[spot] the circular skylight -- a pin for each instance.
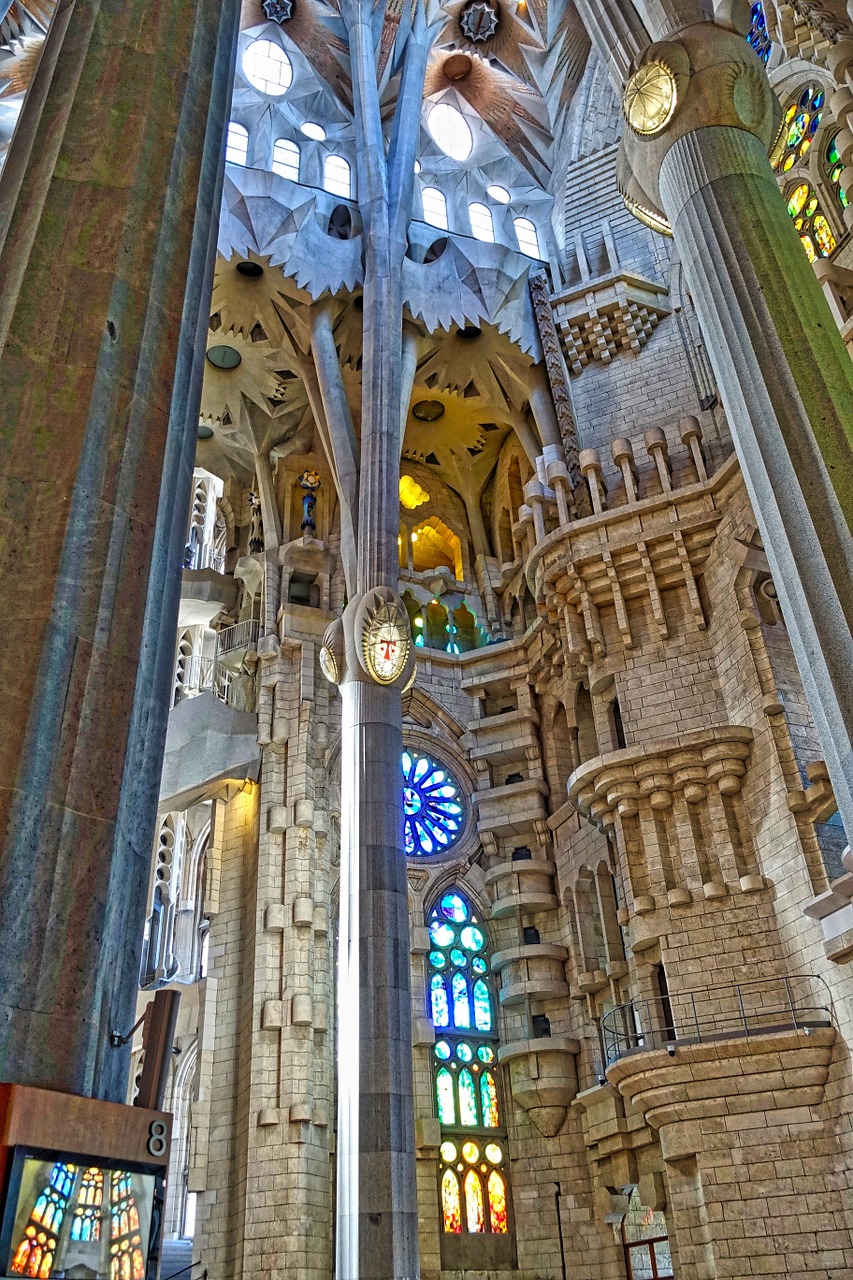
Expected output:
(267, 67)
(498, 193)
(450, 131)
(313, 131)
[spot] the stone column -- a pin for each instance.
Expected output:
(105, 258)
(377, 1195)
(785, 378)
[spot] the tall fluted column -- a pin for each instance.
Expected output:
(105, 257)
(785, 378)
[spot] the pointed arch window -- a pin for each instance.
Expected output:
(472, 1174)
(527, 237)
(482, 227)
(285, 158)
(435, 207)
(237, 145)
(337, 176)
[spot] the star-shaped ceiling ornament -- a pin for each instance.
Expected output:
(278, 10)
(479, 20)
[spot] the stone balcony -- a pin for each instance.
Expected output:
(722, 1051)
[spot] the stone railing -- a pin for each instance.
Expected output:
(204, 556)
(717, 1013)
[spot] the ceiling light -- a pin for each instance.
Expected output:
(224, 357)
(428, 410)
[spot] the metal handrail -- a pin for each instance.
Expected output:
(722, 1012)
(243, 635)
(197, 675)
(204, 555)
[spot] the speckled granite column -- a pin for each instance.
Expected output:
(377, 1191)
(786, 382)
(106, 256)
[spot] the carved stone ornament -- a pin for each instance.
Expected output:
(650, 98)
(277, 10)
(479, 21)
(383, 636)
(332, 652)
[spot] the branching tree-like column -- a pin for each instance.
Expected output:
(370, 653)
(702, 119)
(107, 209)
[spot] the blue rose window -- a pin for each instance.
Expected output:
(433, 815)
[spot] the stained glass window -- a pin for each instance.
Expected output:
(473, 1189)
(476, 1218)
(126, 1261)
(834, 170)
(816, 235)
(433, 817)
(800, 124)
(86, 1223)
(758, 36)
(450, 1204)
(34, 1254)
(497, 1200)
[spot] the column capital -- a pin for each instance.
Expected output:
(704, 77)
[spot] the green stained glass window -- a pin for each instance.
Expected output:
(467, 1098)
(438, 996)
(482, 1006)
(834, 170)
(444, 1096)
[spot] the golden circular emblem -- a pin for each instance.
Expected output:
(650, 98)
(386, 642)
(329, 664)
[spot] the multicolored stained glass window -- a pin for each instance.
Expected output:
(473, 1190)
(758, 36)
(126, 1260)
(34, 1254)
(816, 235)
(433, 815)
(834, 170)
(86, 1223)
(800, 124)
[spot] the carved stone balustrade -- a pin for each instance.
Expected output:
(543, 1078)
(534, 971)
(636, 551)
(522, 885)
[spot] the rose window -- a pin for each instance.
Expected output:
(433, 814)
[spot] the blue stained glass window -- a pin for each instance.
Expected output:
(459, 958)
(464, 1052)
(461, 1003)
(440, 1010)
(437, 959)
(441, 934)
(442, 1050)
(454, 908)
(433, 816)
(758, 36)
(482, 1006)
(471, 938)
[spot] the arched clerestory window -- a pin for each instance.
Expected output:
(472, 1175)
